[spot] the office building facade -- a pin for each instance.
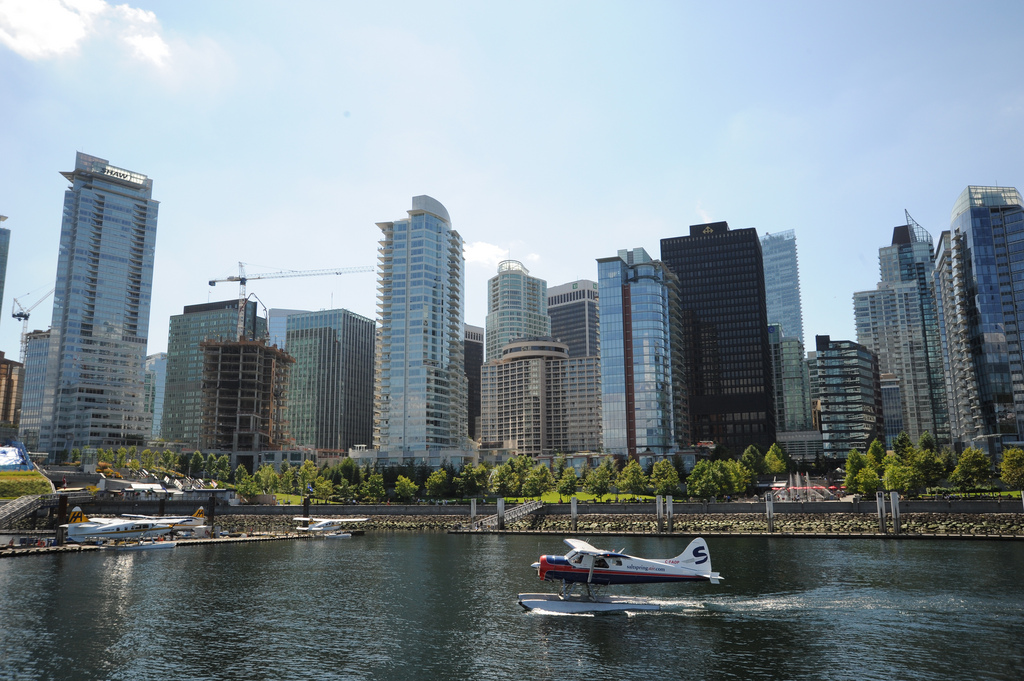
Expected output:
(642, 400)
(330, 386)
(791, 381)
(899, 322)
(5, 249)
(782, 283)
(981, 310)
(94, 393)
(575, 317)
(728, 366)
(155, 381)
(850, 391)
(517, 307)
(420, 401)
(277, 326)
(473, 352)
(183, 389)
(37, 349)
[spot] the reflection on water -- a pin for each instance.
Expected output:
(434, 606)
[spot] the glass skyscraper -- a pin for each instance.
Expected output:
(725, 335)
(979, 282)
(473, 354)
(94, 391)
(791, 382)
(899, 322)
(156, 380)
(517, 307)
(420, 381)
(5, 249)
(850, 390)
(782, 283)
(642, 406)
(330, 386)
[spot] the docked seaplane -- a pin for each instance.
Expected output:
(588, 567)
(329, 528)
(182, 522)
(81, 529)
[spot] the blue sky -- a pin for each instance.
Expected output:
(278, 134)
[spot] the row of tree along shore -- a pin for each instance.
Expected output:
(994, 524)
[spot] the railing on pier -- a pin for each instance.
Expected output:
(15, 510)
(520, 511)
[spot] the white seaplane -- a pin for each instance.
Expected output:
(81, 529)
(329, 527)
(182, 522)
(590, 567)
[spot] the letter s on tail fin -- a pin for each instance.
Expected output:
(696, 556)
(77, 516)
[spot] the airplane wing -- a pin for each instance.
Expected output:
(583, 547)
(330, 520)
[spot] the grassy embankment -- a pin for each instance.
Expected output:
(14, 484)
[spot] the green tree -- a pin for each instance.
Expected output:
(308, 474)
(774, 461)
(737, 476)
(753, 460)
(927, 466)
(973, 469)
(599, 480)
(373, 487)
(901, 478)
(121, 459)
(567, 483)
(266, 478)
(472, 480)
(224, 467)
(720, 453)
(210, 466)
(664, 478)
(437, 484)
(504, 481)
(558, 466)
(866, 482)
(631, 479)
(521, 465)
(134, 465)
(405, 489)
(322, 488)
(707, 480)
(195, 464)
(926, 442)
(855, 463)
(342, 488)
(147, 458)
(76, 455)
(875, 455)
(1012, 468)
(901, 445)
(538, 481)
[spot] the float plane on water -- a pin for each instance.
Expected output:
(197, 519)
(325, 525)
(80, 528)
(590, 566)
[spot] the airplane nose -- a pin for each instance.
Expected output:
(536, 566)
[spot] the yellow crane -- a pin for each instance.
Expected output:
(242, 278)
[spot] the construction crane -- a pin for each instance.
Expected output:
(242, 279)
(20, 312)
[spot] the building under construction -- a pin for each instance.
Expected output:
(245, 385)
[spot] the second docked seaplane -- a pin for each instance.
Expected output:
(588, 568)
(326, 527)
(81, 529)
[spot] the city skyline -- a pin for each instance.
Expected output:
(593, 133)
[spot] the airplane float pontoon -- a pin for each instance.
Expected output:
(588, 567)
(326, 525)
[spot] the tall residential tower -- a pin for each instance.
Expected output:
(420, 381)
(782, 283)
(94, 392)
(517, 307)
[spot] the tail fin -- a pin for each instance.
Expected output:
(696, 557)
(199, 513)
(77, 516)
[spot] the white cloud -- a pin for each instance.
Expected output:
(704, 215)
(483, 253)
(42, 29)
